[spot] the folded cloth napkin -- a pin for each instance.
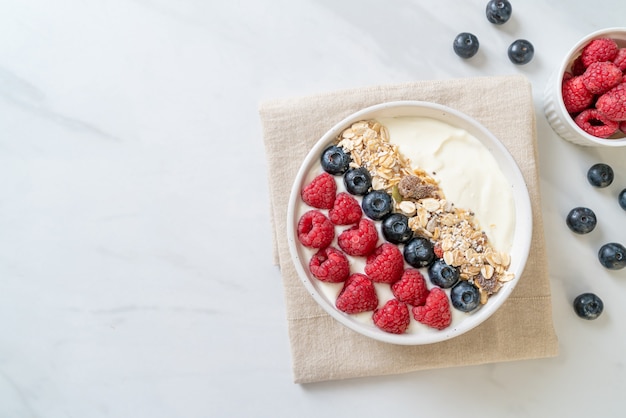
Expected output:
(322, 348)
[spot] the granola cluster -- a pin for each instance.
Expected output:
(455, 231)
(369, 146)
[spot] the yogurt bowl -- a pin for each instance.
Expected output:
(554, 108)
(454, 149)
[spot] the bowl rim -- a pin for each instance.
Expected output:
(523, 218)
(569, 57)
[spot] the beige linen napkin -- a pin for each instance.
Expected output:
(322, 348)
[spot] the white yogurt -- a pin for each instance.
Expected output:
(466, 171)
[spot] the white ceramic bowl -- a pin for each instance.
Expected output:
(521, 240)
(554, 109)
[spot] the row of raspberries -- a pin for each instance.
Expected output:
(594, 90)
(384, 263)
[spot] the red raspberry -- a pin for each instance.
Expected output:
(620, 59)
(385, 264)
(315, 230)
(393, 317)
(578, 68)
(436, 312)
(320, 193)
(330, 265)
(357, 295)
(411, 288)
(598, 50)
(346, 210)
(360, 240)
(613, 103)
(438, 250)
(566, 76)
(595, 123)
(622, 126)
(576, 97)
(601, 77)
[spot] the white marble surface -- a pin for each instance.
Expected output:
(132, 180)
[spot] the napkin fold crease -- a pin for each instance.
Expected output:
(323, 349)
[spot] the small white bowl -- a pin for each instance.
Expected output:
(554, 109)
(522, 218)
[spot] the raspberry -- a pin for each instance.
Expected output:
(576, 97)
(385, 264)
(598, 50)
(578, 68)
(346, 210)
(411, 288)
(601, 77)
(595, 123)
(315, 230)
(566, 76)
(438, 250)
(613, 103)
(357, 295)
(622, 126)
(393, 317)
(436, 312)
(360, 240)
(330, 265)
(620, 59)
(320, 193)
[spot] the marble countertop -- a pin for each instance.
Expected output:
(133, 181)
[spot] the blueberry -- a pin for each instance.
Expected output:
(396, 229)
(465, 45)
(335, 160)
(612, 256)
(419, 252)
(357, 181)
(376, 204)
(498, 11)
(600, 175)
(521, 52)
(622, 199)
(442, 274)
(581, 220)
(465, 296)
(588, 306)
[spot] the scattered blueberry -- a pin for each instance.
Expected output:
(465, 45)
(588, 306)
(335, 160)
(498, 11)
(442, 274)
(521, 52)
(419, 252)
(600, 175)
(581, 220)
(622, 199)
(357, 181)
(396, 228)
(465, 296)
(376, 204)
(612, 256)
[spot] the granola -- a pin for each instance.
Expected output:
(416, 194)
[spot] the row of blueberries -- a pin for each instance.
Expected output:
(582, 220)
(418, 251)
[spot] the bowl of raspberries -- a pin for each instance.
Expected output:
(585, 99)
(386, 246)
